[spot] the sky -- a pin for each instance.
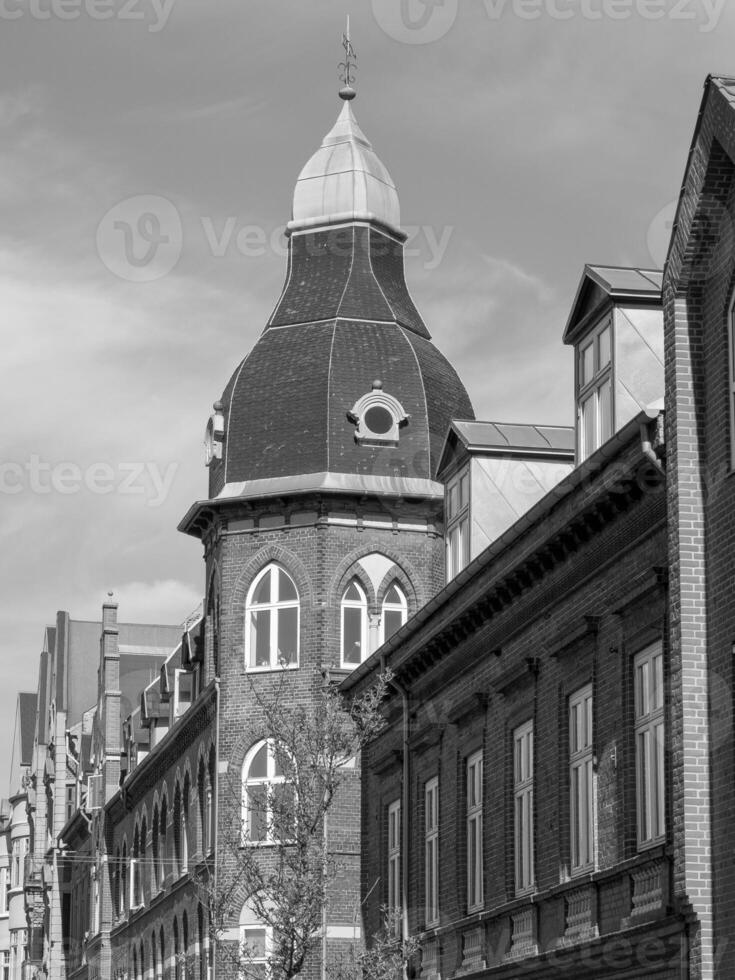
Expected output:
(148, 154)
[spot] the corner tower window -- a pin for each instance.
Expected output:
(272, 621)
(594, 390)
(377, 417)
(457, 505)
(354, 625)
(394, 612)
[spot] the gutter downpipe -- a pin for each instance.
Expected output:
(215, 817)
(405, 785)
(647, 446)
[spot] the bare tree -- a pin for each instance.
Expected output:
(308, 748)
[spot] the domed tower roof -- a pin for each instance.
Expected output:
(344, 390)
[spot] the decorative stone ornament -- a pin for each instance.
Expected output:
(377, 417)
(214, 435)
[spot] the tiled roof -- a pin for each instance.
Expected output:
(600, 283)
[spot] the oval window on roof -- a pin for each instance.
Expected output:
(379, 420)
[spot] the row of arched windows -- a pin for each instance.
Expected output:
(174, 954)
(272, 611)
(174, 833)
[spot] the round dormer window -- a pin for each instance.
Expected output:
(377, 417)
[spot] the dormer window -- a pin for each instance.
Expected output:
(377, 417)
(594, 389)
(457, 507)
(214, 435)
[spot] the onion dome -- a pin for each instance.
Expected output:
(345, 181)
(344, 391)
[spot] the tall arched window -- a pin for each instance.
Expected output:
(163, 842)
(185, 826)
(272, 621)
(394, 612)
(156, 877)
(354, 625)
(256, 944)
(267, 799)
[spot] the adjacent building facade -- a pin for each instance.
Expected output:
(552, 788)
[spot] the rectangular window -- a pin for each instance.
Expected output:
(3, 891)
(6, 964)
(431, 851)
(474, 832)
(395, 903)
(649, 744)
(457, 541)
(71, 800)
(594, 390)
(581, 782)
(183, 691)
(523, 806)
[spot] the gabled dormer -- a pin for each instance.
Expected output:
(616, 329)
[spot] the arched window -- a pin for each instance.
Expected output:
(156, 877)
(272, 621)
(163, 842)
(354, 625)
(177, 951)
(185, 826)
(202, 945)
(125, 894)
(256, 944)
(267, 799)
(184, 945)
(394, 612)
(177, 820)
(162, 944)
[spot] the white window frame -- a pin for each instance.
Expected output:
(395, 898)
(270, 780)
(475, 864)
(457, 523)
(523, 828)
(249, 922)
(582, 782)
(589, 389)
(178, 710)
(275, 606)
(362, 605)
(650, 764)
(399, 607)
(431, 852)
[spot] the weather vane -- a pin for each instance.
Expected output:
(347, 67)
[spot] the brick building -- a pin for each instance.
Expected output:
(554, 789)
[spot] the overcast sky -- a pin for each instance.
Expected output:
(526, 138)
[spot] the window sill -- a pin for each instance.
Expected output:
(270, 670)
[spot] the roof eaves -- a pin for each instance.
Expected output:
(609, 451)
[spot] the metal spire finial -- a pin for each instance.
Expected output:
(347, 68)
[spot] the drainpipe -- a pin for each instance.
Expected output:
(216, 813)
(405, 786)
(647, 446)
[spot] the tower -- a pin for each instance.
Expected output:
(322, 531)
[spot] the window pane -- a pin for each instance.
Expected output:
(255, 941)
(392, 620)
(393, 596)
(286, 588)
(605, 402)
(464, 490)
(352, 635)
(257, 813)
(262, 591)
(452, 501)
(353, 594)
(604, 348)
(260, 638)
(288, 622)
(259, 766)
(283, 811)
(589, 425)
(586, 365)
